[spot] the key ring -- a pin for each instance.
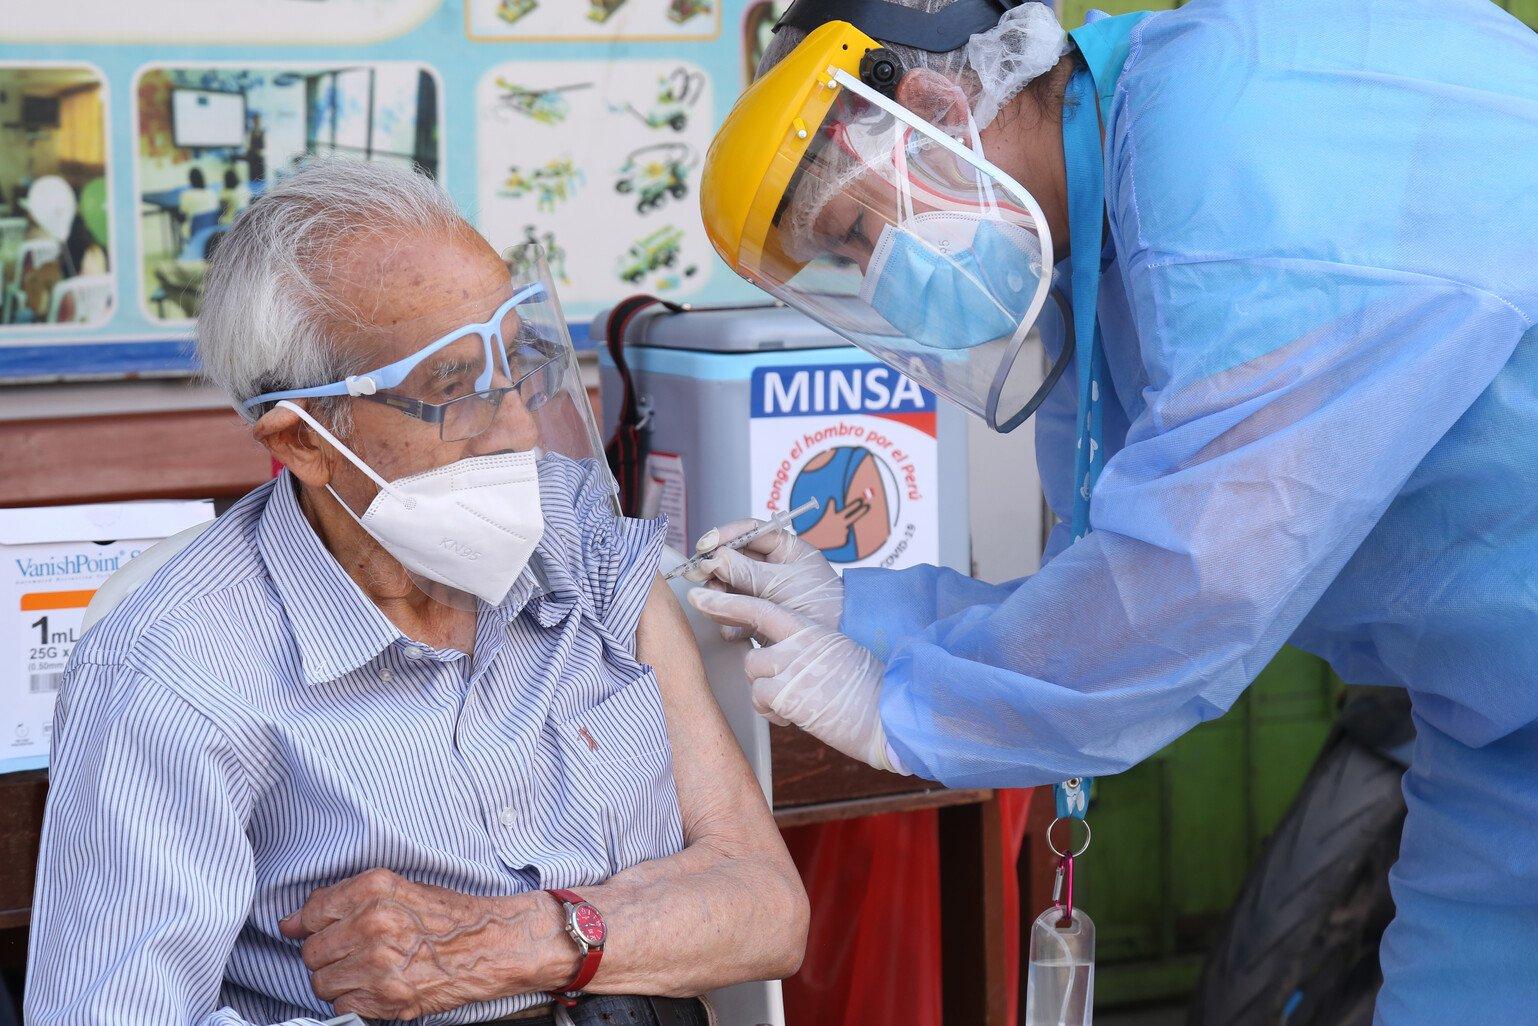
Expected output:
(1088, 833)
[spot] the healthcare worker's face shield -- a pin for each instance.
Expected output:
(894, 233)
(468, 434)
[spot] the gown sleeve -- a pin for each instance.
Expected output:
(1288, 402)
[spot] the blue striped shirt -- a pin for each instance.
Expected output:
(249, 726)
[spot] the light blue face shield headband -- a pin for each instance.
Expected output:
(373, 385)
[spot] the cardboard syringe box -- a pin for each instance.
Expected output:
(55, 557)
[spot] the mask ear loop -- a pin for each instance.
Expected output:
(900, 169)
(991, 200)
(336, 444)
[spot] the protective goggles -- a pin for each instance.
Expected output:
(825, 191)
(460, 379)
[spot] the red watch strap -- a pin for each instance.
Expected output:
(591, 957)
(586, 971)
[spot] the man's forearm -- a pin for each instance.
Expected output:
(683, 925)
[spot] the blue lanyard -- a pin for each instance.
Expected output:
(1085, 167)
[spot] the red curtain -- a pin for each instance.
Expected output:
(873, 955)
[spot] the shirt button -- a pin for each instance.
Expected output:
(387, 675)
(508, 816)
(413, 653)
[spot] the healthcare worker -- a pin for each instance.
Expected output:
(1266, 271)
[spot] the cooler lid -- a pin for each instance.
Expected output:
(758, 328)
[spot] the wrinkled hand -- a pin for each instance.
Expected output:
(775, 573)
(384, 947)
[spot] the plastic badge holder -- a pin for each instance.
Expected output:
(1060, 985)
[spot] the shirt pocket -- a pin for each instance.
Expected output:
(618, 756)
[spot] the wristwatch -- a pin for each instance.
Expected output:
(585, 925)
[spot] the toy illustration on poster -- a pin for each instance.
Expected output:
(520, 257)
(592, 19)
(553, 182)
(55, 234)
(656, 251)
(537, 177)
(161, 146)
(211, 139)
(677, 93)
(655, 173)
(330, 22)
(546, 106)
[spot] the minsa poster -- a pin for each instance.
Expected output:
(860, 439)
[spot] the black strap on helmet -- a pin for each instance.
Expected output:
(940, 32)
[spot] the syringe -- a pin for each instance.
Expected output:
(777, 522)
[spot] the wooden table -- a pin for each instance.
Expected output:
(207, 453)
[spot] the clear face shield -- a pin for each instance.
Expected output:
(471, 433)
(895, 234)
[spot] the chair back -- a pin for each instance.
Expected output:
(92, 294)
(32, 253)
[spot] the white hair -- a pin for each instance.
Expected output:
(267, 318)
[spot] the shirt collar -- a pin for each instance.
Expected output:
(546, 587)
(336, 626)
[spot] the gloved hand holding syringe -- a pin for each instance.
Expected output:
(780, 521)
(764, 582)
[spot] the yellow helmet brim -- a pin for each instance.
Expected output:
(752, 163)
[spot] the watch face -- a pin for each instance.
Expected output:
(588, 924)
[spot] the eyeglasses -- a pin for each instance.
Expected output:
(470, 415)
(377, 384)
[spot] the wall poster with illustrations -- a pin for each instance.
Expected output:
(577, 124)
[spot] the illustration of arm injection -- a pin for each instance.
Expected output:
(780, 521)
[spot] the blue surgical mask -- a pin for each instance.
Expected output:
(953, 280)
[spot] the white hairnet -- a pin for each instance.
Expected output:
(1026, 44)
(991, 68)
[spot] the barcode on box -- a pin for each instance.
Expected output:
(42, 682)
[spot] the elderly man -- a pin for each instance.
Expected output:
(414, 730)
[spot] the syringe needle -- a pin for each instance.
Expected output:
(779, 521)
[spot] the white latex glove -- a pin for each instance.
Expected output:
(774, 569)
(809, 674)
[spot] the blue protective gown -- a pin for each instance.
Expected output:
(1320, 328)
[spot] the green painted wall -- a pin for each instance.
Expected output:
(1175, 835)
